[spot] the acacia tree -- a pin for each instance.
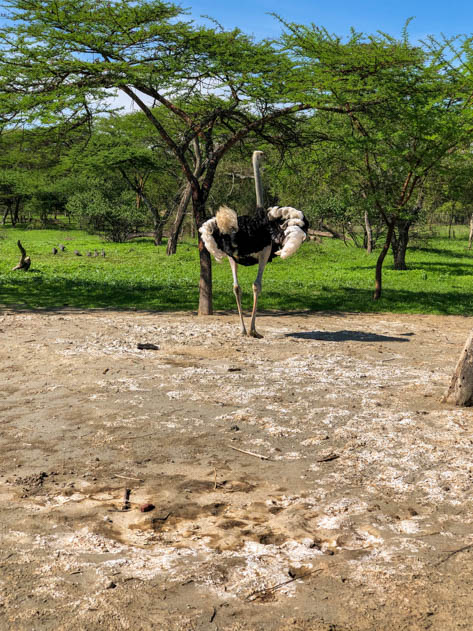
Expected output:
(335, 191)
(124, 147)
(59, 58)
(406, 107)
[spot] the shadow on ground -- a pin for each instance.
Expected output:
(346, 336)
(40, 291)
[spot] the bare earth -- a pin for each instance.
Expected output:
(360, 517)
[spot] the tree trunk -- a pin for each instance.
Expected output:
(470, 238)
(139, 188)
(158, 220)
(379, 262)
(199, 209)
(158, 233)
(399, 244)
(177, 226)
(5, 214)
(15, 213)
(205, 282)
(461, 386)
(369, 234)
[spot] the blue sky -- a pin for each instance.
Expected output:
(432, 17)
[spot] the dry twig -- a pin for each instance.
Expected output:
(127, 477)
(453, 553)
(141, 436)
(267, 590)
(250, 453)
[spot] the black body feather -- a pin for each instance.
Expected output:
(253, 235)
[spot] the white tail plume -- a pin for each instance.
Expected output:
(292, 222)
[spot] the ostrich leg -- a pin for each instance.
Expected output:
(237, 292)
(263, 259)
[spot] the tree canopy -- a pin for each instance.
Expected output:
(61, 60)
(376, 115)
(404, 108)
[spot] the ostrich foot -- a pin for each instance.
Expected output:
(254, 333)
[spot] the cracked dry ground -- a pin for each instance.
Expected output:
(359, 517)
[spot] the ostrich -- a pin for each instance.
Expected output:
(251, 240)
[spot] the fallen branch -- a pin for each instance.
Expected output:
(320, 233)
(25, 261)
(250, 453)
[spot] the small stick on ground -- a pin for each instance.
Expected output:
(8, 557)
(214, 613)
(453, 553)
(163, 519)
(327, 458)
(141, 436)
(250, 453)
(127, 477)
(267, 590)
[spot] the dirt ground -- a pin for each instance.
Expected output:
(127, 500)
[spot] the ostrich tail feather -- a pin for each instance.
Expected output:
(294, 237)
(293, 223)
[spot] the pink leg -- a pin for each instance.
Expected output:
(263, 259)
(237, 292)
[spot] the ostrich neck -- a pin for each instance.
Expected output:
(258, 182)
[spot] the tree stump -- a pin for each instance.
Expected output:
(25, 261)
(461, 386)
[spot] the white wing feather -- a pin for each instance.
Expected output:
(206, 230)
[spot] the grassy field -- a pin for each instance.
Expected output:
(138, 275)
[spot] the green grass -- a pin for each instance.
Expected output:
(137, 275)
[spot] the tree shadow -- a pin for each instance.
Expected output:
(441, 267)
(35, 291)
(466, 254)
(39, 291)
(358, 300)
(346, 336)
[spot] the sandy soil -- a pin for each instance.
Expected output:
(360, 517)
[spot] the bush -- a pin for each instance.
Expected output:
(113, 215)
